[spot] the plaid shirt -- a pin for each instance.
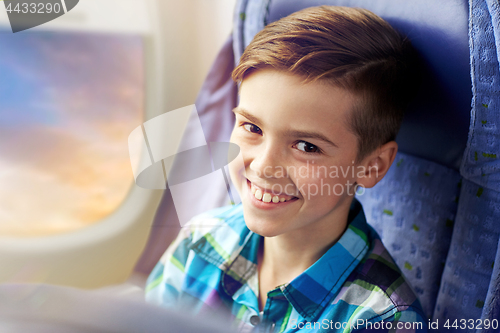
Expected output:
(354, 287)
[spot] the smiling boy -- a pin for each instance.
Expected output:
(322, 88)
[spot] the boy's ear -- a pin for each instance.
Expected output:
(374, 167)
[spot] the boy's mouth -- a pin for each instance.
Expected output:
(268, 196)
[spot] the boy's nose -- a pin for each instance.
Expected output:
(266, 162)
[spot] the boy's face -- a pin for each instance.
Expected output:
(296, 146)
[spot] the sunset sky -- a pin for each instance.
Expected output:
(68, 102)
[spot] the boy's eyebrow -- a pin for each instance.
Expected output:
(288, 132)
(247, 115)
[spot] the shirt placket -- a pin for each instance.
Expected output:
(275, 312)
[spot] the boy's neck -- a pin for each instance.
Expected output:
(282, 258)
(288, 257)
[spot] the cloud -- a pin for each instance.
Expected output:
(63, 137)
(53, 183)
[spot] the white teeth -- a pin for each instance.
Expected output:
(265, 196)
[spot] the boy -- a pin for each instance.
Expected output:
(322, 93)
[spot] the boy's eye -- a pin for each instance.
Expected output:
(307, 147)
(252, 128)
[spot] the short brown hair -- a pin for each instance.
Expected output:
(352, 48)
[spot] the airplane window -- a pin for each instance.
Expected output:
(68, 103)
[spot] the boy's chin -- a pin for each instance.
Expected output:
(262, 230)
(263, 227)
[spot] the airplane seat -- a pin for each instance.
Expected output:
(437, 210)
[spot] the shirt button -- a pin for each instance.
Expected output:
(273, 325)
(254, 320)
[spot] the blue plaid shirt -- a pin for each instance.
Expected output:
(354, 287)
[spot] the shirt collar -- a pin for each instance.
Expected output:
(231, 246)
(311, 291)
